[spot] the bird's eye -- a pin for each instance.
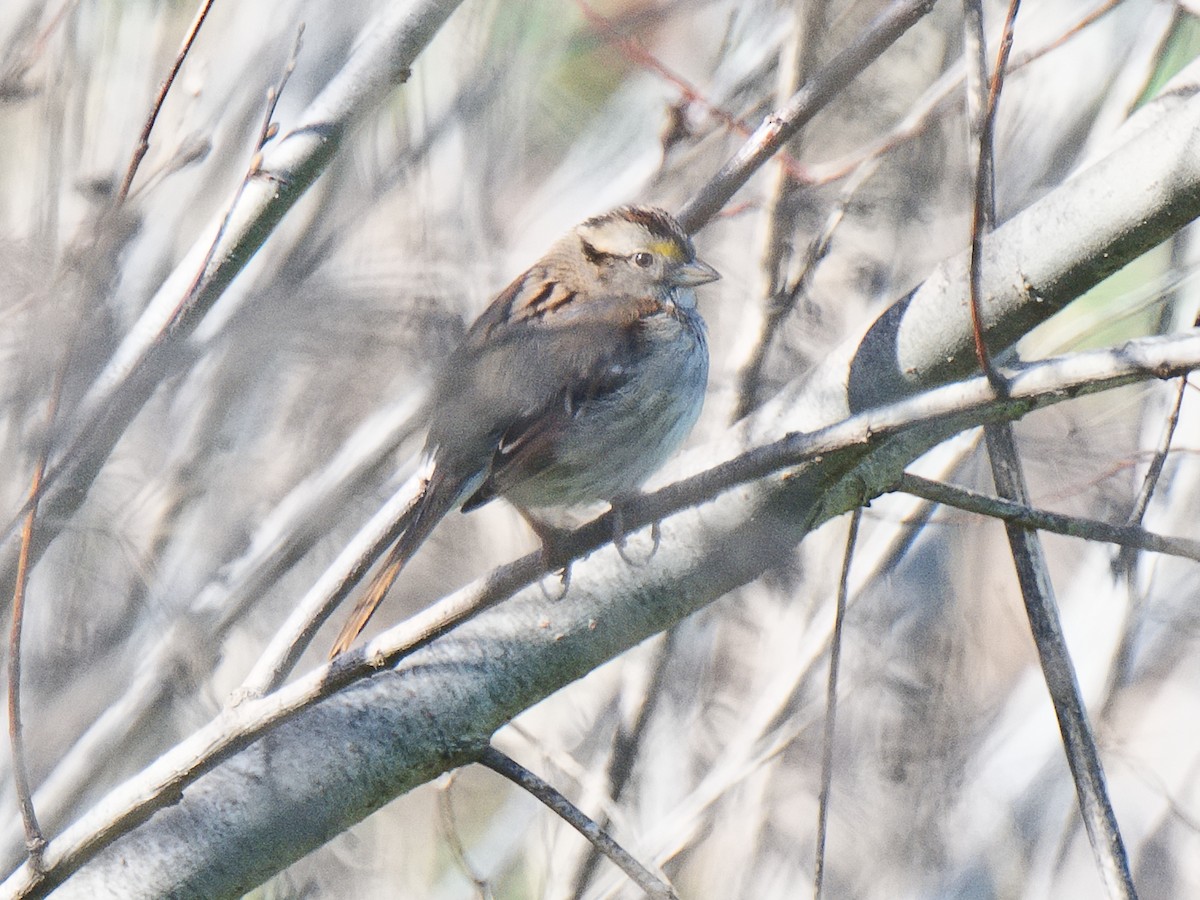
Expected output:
(643, 259)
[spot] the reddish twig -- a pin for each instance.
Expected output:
(936, 101)
(690, 93)
(143, 144)
(984, 208)
(778, 127)
(35, 841)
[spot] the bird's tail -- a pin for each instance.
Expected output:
(437, 497)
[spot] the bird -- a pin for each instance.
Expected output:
(574, 385)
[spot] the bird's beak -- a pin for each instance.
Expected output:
(694, 273)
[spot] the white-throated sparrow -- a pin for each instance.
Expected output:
(573, 386)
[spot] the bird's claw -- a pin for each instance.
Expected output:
(619, 535)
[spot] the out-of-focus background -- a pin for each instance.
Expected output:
(702, 747)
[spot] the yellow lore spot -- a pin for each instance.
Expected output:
(667, 249)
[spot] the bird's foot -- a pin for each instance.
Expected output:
(619, 533)
(555, 552)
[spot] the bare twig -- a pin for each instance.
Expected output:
(143, 144)
(1154, 470)
(827, 737)
(983, 210)
(1079, 743)
(1127, 536)
(573, 816)
(35, 841)
(625, 749)
(266, 132)
(778, 299)
(483, 890)
(1032, 573)
(1126, 563)
(781, 125)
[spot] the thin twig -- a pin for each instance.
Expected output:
(143, 144)
(1126, 563)
(266, 132)
(778, 297)
(1154, 471)
(573, 816)
(778, 127)
(1079, 742)
(835, 658)
(625, 749)
(1037, 590)
(983, 210)
(35, 841)
(1129, 536)
(450, 832)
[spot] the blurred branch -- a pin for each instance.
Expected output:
(19, 60)
(779, 127)
(283, 535)
(938, 98)
(288, 168)
(795, 64)
(626, 744)
(483, 890)
(436, 710)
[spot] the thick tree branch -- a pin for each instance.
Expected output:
(399, 717)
